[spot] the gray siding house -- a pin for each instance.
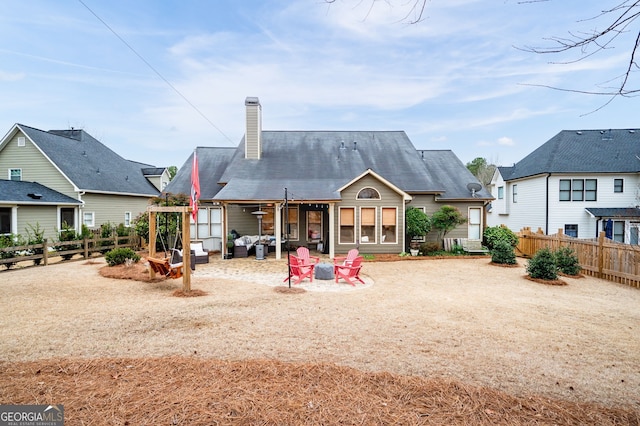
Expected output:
(344, 189)
(94, 185)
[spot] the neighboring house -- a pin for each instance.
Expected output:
(71, 163)
(345, 188)
(576, 182)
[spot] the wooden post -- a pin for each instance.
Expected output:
(186, 251)
(45, 252)
(86, 247)
(152, 240)
(601, 238)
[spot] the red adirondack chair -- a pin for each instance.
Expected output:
(299, 269)
(349, 273)
(344, 260)
(303, 253)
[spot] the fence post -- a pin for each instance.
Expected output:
(45, 252)
(86, 247)
(601, 238)
(115, 240)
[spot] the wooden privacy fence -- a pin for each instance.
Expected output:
(40, 253)
(599, 257)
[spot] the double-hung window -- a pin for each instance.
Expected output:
(578, 190)
(15, 174)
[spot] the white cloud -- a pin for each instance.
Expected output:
(505, 141)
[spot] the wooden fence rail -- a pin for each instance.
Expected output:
(599, 257)
(40, 253)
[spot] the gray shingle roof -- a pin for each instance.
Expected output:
(212, 161)
(89, 164)
(451, 174)
(18, 192)
(583, 151)
(313, 165)
(299, 160)
(614, 211)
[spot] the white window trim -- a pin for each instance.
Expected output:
(22, 141)
(127, 218)
(353, 240)
(382, 240)
(375, 225)
(93, 219)
(365, 199)
(11, 169)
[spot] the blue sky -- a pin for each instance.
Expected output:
(453, 81)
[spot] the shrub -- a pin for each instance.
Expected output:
(567, 261)
(503, 253)
(68, 234)
(35, 236)
(457, 249)
(429, 247)
(417, 223)
(118, 256)
(446, 219)
(494, 234)
(543, 265)
(9, 240)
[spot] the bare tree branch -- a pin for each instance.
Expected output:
(622, 17)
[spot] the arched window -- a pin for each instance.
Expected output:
(368, 194)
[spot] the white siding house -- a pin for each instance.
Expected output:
(577, 181)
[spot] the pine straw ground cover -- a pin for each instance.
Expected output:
(201, 389)
(192, 391)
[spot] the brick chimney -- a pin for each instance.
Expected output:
(253, 133)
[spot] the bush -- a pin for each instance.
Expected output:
(567, 261)
(429, 247)
(494, 234)
(503, 253)
(543, 265)
(9, 240)
(118, 256)
(68, 234)
(35, 236)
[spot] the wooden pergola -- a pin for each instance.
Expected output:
(186, 236)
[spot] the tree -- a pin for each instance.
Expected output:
(446, 219)
(480, 168)
(417, 223)
(172, 172)
(618, 22)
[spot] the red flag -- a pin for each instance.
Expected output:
(195, 188)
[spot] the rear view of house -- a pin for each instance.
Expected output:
(339, 189)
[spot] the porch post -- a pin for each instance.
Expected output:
(332, 230)
(278, 229)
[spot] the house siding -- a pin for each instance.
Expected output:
(111, 208)
(388, 198)
(35, 166)
(43, 216)
(530, 208)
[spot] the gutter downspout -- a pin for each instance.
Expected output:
(546, 220)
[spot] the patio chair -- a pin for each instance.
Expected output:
(344, 260)
(303, 253)
(299, 270)
(350, 273)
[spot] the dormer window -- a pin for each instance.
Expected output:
(368, 194)
(15, 174)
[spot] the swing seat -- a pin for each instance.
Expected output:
(164, 268)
